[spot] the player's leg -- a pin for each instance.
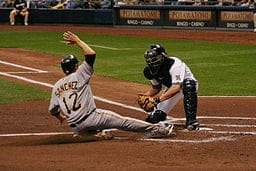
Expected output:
(12, 15)
(164, 108)
(105, 119)
(190, 103)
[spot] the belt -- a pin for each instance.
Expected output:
(81, 120)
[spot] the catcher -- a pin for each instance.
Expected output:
(20, 7)
(179, 82)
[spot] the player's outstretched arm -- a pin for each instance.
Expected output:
(72, 38)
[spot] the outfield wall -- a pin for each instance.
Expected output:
(157, 16)
(191, 17)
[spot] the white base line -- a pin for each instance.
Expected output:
(26, 79)
(103, 47)
(26, 72)
(221, 125)
(23, 67)
(71, 133)
(214, 139)
(227, 96)
(208, 140)
(110, 48)
(233, 132)
(36, 134)
(213, 117)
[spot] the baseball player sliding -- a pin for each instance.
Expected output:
(179, 82)
(72, 99)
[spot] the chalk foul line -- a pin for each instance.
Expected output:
(26, 79)
(23, 67)
(208, 140)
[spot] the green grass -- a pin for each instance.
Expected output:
(221, 68)
(14, 92)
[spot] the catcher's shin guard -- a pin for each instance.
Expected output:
(156, 117)
(190, 101)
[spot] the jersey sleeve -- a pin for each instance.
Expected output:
(84, 73)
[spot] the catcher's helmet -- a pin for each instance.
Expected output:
(154, 60)
(159, 49)
(69, 64)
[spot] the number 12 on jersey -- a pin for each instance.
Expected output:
(75, 106)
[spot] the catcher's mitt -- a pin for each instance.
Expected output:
(146, 102)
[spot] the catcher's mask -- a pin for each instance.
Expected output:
(154, 60)
(69, 64)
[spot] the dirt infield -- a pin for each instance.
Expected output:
(230, 145)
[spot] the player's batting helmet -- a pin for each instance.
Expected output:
(69, 64)
(154, 59)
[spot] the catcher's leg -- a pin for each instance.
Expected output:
(190, 103)
(167, 105)
(164, 108)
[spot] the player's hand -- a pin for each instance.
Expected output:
(61, 117)
(70, 37)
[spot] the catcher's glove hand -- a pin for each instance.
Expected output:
(147, 103)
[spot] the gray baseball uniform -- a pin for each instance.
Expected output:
(72, 96)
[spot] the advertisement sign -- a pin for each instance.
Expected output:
(236, 19)
(194, 19)
(139, 17)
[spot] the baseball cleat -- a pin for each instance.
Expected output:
(105, 135)
(170, 130)
(193, 126)
(165, 130)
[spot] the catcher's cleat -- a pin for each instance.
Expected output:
(193, 126)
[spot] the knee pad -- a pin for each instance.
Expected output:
(190, 99)
(156, 117)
